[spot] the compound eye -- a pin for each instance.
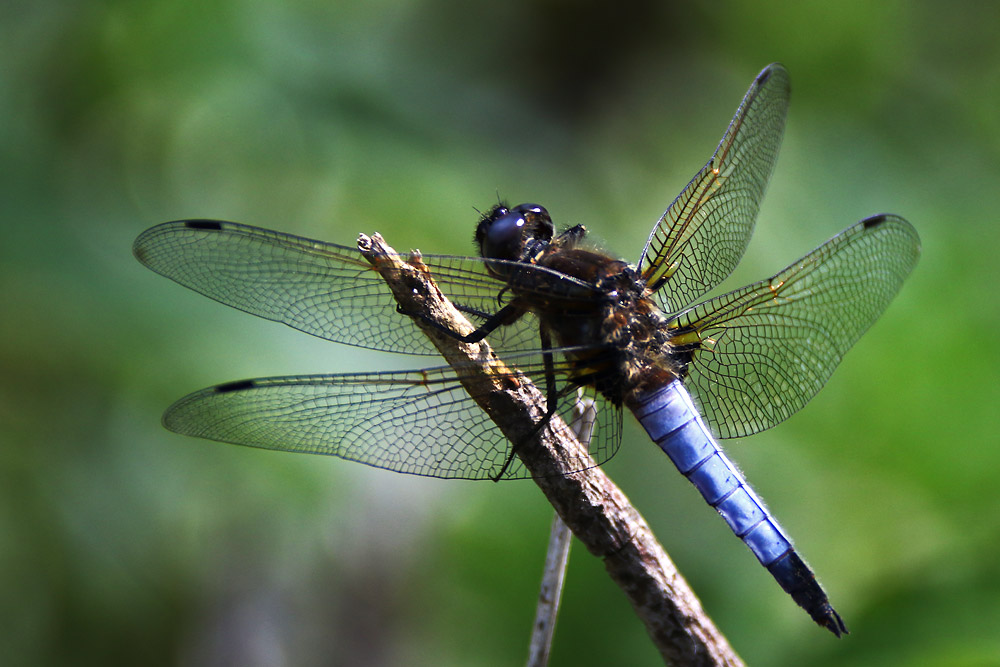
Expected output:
(538, 224)
(503, 239)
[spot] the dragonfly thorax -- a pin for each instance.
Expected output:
(618, 333)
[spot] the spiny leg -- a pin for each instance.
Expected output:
(551, 398)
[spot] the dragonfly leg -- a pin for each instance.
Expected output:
(506, 315)
(551, 399)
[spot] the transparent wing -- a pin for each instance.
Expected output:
(702, 236)
(325, 289)
(760, 353)
(417, 422)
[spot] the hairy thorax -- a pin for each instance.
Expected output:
(623, 332)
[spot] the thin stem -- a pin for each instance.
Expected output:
(542, 632)
(557, 555)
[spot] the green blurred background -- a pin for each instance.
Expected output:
(121, 543)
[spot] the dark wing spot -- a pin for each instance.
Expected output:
(211, 225)
(874, 221)
(239, 385)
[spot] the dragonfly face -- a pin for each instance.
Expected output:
(515, 234)
(571, 317)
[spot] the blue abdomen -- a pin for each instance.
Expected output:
(672, 421)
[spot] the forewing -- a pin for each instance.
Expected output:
(416, 422)
(323, 289)
(760, 353)
(702, 236)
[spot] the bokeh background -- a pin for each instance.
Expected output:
(121, 543)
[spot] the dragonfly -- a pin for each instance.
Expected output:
(692, 368)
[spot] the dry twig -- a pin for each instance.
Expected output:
(594, 508)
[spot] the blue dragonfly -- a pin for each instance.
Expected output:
(691, 369)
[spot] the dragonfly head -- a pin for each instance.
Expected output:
(514, 234)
